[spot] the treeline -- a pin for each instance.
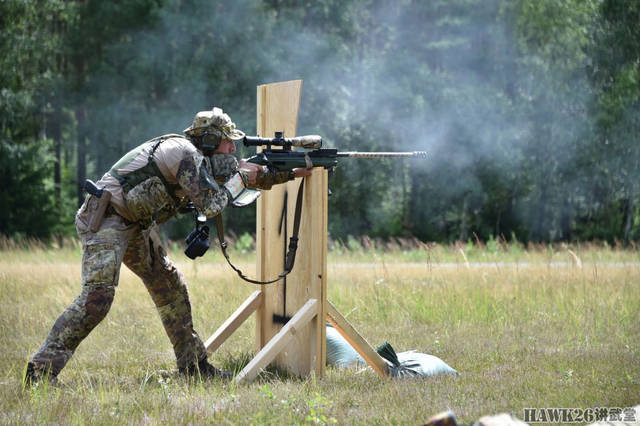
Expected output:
(529, 109)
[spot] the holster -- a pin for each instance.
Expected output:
(95, 220)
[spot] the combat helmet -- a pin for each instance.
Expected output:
(210, 127)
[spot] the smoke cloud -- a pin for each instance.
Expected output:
(377, 76)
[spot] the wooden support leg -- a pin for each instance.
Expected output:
(358, 342)
(234, 321)
(279, 341)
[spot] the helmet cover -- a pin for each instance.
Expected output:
(216, 122)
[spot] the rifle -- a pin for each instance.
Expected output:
(285, 159)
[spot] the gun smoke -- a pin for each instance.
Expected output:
(502, 135)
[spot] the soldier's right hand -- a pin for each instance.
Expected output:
(250, 170)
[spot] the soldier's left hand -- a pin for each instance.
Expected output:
(302, 172)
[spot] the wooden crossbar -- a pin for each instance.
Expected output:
(233, 322)
(279, 341)
(358, 342)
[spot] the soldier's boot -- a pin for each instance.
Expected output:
(34, 376)
(205, 370)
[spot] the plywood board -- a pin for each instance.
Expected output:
(277, 110)
(309, 277)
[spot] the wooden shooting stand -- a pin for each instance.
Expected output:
(291, 313)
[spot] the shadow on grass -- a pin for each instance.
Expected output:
(237, 361)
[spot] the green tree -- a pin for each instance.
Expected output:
(30, 74)
(614, 151)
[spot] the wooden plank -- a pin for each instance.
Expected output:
(233, 322)
(278, 110)
(356, 340)
(309, 277)
(291, 331)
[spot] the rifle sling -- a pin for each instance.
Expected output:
(291, 253)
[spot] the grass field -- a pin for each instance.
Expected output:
(538, 327)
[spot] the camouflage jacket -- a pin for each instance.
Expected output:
(190, 175)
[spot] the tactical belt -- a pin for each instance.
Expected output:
(290, 258)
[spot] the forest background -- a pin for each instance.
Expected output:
(529, 109)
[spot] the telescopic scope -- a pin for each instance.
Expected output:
(307, 142)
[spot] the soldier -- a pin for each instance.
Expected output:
(148, 186)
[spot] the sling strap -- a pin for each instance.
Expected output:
(151, 169)
(291, 253)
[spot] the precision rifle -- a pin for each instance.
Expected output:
(285, 159)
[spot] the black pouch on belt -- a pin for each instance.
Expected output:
(104, 197)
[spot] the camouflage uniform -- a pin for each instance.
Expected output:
(126, 237)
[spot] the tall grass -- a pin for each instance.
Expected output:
(525, 326)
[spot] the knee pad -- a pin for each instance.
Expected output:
(97, 300)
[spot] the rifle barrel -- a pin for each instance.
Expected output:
(356, 154)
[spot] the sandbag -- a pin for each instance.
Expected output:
(339, 351)
(404, 364)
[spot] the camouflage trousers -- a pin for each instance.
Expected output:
(103, 252)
